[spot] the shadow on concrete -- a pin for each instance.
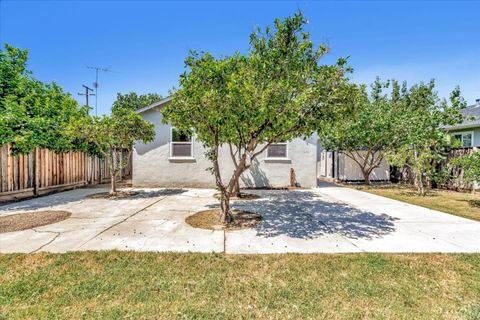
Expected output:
(304, 215)
(63, 198)
(51, 200)
(144, 194)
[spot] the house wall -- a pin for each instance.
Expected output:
(153, 167)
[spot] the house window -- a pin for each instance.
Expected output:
(181, 145)
(465, 139)
(277, 150)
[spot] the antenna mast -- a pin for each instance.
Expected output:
(95, 84)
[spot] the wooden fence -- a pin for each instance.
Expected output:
(406, 175)
(458, 183)
(44, 171)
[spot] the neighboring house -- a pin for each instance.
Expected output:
(468, 132)
(174, 159)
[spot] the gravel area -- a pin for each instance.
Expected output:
(28, 220)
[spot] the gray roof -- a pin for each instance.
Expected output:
(155, 105)
(471, 117)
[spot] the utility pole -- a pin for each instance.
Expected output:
(86, 94)
(95, 84)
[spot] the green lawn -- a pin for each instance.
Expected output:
(452, 202)
(115, 285)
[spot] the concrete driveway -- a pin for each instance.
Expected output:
(327, 219)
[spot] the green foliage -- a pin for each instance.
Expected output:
(393, 120)
(470, 165)
(33, 114)
(475, 203)
(424, 142)
(113, 135)
(276, 92)
(118, 131)
(367, 126)
(133, 101)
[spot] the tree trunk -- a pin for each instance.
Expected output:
(113, 183)
(418, 173)
(226, 216)
(366, 176)
(421, 187)
(236, 190)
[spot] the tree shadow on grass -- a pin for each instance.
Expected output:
(305, 215)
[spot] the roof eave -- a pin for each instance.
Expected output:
(463, 126)
(154, 105)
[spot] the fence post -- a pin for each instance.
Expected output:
(85, 168)
(36, 172)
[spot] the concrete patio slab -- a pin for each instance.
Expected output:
(248, 241)
(417, 229)
(328, 219)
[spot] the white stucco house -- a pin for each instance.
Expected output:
(178, 160)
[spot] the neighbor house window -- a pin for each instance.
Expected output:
(181, 145)
(277, 150)
(465, 139)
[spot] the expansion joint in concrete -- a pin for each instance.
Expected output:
(57, 234)
(123, 220)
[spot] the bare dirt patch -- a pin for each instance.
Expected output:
(243, 196)
(118, 195)
(28, 220)
(210, 219)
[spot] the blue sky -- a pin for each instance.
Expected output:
(145, 42)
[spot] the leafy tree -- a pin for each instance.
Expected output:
(13, 71)
(425, 143)
(247, 102)
(470, 164)
(133, 101)
(33, 114)
(112, 135)
(367, 127)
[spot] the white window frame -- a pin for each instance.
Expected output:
(462, 133)
(172, 142)
(278, 158)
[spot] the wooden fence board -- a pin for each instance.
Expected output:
(43, 171)
(3, 168)
(21, 159)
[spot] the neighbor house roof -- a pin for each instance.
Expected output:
(471, 117)
(155, 105)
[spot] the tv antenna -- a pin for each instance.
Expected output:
(95, 84)
(86, 94)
